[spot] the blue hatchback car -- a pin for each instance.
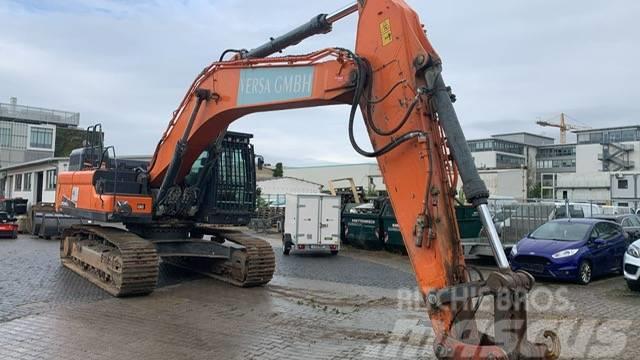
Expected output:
(571, 249)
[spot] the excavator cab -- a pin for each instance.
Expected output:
(228, 188)
(91, 153)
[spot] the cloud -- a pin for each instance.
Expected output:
(127, 64)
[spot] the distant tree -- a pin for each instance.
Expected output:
(260, 201)
(277, 172)
(535, 191)
(462, 198)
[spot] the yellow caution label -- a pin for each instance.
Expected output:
(385, 32)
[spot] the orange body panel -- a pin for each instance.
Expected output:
(391, 52)
(75, 190)
(331, 85)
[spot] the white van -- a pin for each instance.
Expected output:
(576, 210)
(311, 222)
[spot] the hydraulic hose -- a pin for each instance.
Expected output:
(361, 78)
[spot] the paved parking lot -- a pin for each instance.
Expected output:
(358, 305)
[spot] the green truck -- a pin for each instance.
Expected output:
(373, 225)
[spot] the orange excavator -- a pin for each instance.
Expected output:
(394, 77)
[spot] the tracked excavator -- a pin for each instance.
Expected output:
(394, 76)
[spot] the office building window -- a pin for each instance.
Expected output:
(41, 138)
(623, 184)
(27, 182)
(50, 179)
(506, 161)
(5, 136)
(18, 182)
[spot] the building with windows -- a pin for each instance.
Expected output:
(32, 136)
(511, 153)
(582, 171)
(29, 133)
(625, 189)
(33, 180)
(496, 153)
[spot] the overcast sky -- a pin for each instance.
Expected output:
(127, 64)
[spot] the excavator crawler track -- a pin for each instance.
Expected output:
(119, 262)
(249, 266)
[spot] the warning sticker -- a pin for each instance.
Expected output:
(385, 32)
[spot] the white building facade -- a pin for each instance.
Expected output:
(34, 180)
(273, 190)
(625, 189)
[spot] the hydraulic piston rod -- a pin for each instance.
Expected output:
(319, 24)
(473, 186)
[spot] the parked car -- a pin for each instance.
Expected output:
(576, 210)
(8, 227)
(616, 210)
(629, 222)
(571, 249)
(632, 265)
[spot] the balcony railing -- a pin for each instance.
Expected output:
(36, 114)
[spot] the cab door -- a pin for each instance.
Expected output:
(616, 244)
(599, 250)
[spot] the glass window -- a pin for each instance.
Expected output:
(613, 231)
(27, 182)
(634, 220)
(623, 184)
(575, 212)
(561, 231)
(607, 230)
(615, 136)
(18, 182)
(5, 136)
(192, 178)
(41, 138)
(50, 180)
(628, 135)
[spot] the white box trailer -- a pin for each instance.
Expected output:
(311, 222)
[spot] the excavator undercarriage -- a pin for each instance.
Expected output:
(124, 264)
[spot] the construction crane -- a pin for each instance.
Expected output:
(563, 126)
(394, 76)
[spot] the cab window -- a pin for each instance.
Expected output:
(634, 221)
(608, 231)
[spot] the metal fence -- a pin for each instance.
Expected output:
(514, 220)
(32, 113)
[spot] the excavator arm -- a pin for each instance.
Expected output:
(394, 78)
